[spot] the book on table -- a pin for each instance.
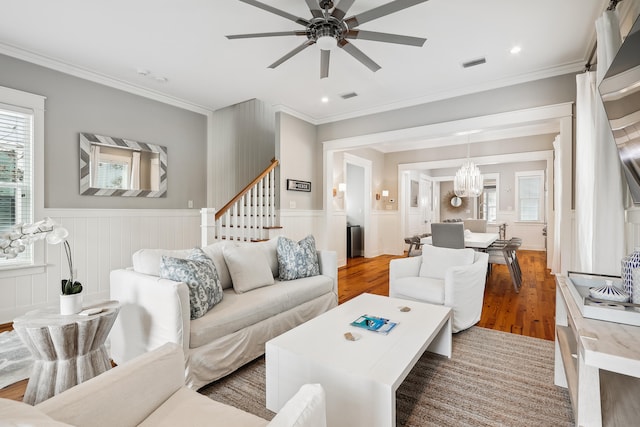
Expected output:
(374, 323)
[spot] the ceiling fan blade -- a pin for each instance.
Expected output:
(324, 63)
(295, 51)
(274, 34)
(342, 8)
(314, 7)
(385, 37)
(380, 11)
(276, 11)
(359, 55)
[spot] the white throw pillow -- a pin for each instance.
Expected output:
(248, 267)
(214, 251)
(436, 260)
(307, 408)
(147, 261)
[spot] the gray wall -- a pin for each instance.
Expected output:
(300, 159)
(537, 93)
(243, 146)
(76, 105)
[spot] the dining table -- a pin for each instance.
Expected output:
(472, 240)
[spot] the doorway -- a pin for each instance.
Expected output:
(357, 172)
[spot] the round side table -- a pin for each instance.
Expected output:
(67, 349)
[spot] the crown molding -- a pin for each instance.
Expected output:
(96, 77)
(573, 67)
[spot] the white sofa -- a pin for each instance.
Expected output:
(150, 391)
(451, 277)
(155, 310)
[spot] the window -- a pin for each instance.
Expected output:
(489, 203)
(16, 201)
(530, 195)
(21, 124)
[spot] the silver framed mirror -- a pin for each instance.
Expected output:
(121, 167)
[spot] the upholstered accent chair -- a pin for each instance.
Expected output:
(451, 277)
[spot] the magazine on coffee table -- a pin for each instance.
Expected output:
(374, 323)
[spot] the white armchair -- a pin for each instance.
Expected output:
(451, 277)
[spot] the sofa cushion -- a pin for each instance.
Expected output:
(297, 260)
(238, 311)
(426, 289)
(216, 294)
(436, 260)
(200, 279)
(19, 414)
(147, 261)
(188, 407)
(248, 267)
(268, 248)
(214, 251)
(307, 408)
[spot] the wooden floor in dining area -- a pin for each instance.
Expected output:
(530, 312)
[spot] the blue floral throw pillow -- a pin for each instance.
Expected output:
(297, 259)
(201, 277)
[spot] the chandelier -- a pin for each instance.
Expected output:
(468, 181)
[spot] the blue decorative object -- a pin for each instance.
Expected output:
(630, 263)
(297, 260)
(201, 278)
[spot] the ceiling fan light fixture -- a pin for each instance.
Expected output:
(326, 42)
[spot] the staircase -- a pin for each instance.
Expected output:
(249, 216)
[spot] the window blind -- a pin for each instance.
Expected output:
(16, 174)
(529, 197)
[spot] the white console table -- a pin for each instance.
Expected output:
(599, 362)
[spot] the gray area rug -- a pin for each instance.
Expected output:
(493, 379)
(15, 359)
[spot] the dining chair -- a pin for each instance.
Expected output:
(505, 252)
(475, 225)
(448, 235)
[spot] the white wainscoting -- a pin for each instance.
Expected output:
(101, 240)
(382, 237)
(530, 233)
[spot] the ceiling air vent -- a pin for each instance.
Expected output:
(474, 62)
(348, 95)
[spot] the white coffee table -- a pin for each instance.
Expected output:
(360, 377)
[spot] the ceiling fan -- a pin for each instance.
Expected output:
(328, 28)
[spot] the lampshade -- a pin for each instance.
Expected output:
(342, 187)
(385, 193)
(468, 181)
(326, 42)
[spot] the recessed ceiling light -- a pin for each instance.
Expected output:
(325, 99)
(515, 49)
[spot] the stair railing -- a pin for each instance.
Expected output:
(249, 215)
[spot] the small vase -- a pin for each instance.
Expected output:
(70, 304)
(630, 263)
(635, 294)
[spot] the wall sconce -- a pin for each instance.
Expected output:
(342, 187)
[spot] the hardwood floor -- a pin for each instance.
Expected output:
(530, 312)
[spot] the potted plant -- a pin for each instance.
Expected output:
(15, 241)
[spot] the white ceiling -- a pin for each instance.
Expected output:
(184, 42)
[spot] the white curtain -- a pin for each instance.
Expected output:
(599, 185)
(94, 162)
(135, 171)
